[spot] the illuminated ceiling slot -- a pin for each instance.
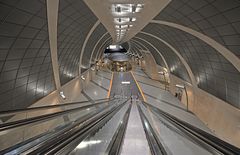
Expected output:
(122, 9)
(123, 24)
(139, 7)
(124, 20)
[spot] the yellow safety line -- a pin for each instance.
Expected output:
(144, 99)
(110, 87)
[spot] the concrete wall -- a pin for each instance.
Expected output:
(150, 66)
(72, 90)
(222, 118)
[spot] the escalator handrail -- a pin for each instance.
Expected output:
(17, 111)
(68, 140)
(210, 139)
(42, 118)
(114, 146)
(54, 133)
(156, 146)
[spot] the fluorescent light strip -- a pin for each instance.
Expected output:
(124, 20)
(121, 9)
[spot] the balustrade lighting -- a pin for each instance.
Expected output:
(62, 95)
(83, 78)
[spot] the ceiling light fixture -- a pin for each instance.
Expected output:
(124, 17)
(123, 9)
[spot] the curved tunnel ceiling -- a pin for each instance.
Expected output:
(27, 73)
(213, 72)
(109, 14)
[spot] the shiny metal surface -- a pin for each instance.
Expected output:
(118, 57)
(44, 126)
(173, 140)
(125, 90)
(97, 144)
(135, 141)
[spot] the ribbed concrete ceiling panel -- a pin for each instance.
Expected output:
(98, 46)
(103, 47)
(125, 45)
(154, 53)
(139, 46)
(26, 72)
(74, 23)
(218, 19)
(175, 65)
(96, 35)
(135, 50)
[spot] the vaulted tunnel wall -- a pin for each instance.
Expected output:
(219, 20)
(26, 72)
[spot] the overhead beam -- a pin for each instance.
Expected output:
(190, 73)
(100, 48)
(94, 48)
(52, 16)
(211, 42)
(165, 62)
(85, 43)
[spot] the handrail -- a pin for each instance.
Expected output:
(155, 145)
(24, 146)
(115, 145)
(69, 140)
(207, 138)
(15, 111)
(18, 123)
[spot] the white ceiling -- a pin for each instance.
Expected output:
(103, 10)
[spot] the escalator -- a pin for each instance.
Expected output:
(105, 130)
(47, 129)
(116, 126)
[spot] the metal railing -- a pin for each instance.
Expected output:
(45, 141)
(19, 111)
(115, 145)
(208, 141)
(155, 145)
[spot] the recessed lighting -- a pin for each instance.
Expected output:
(139, 7)
(123, 9)
(121, 26)
(133, 19)
(83, 78)
(124, 20)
